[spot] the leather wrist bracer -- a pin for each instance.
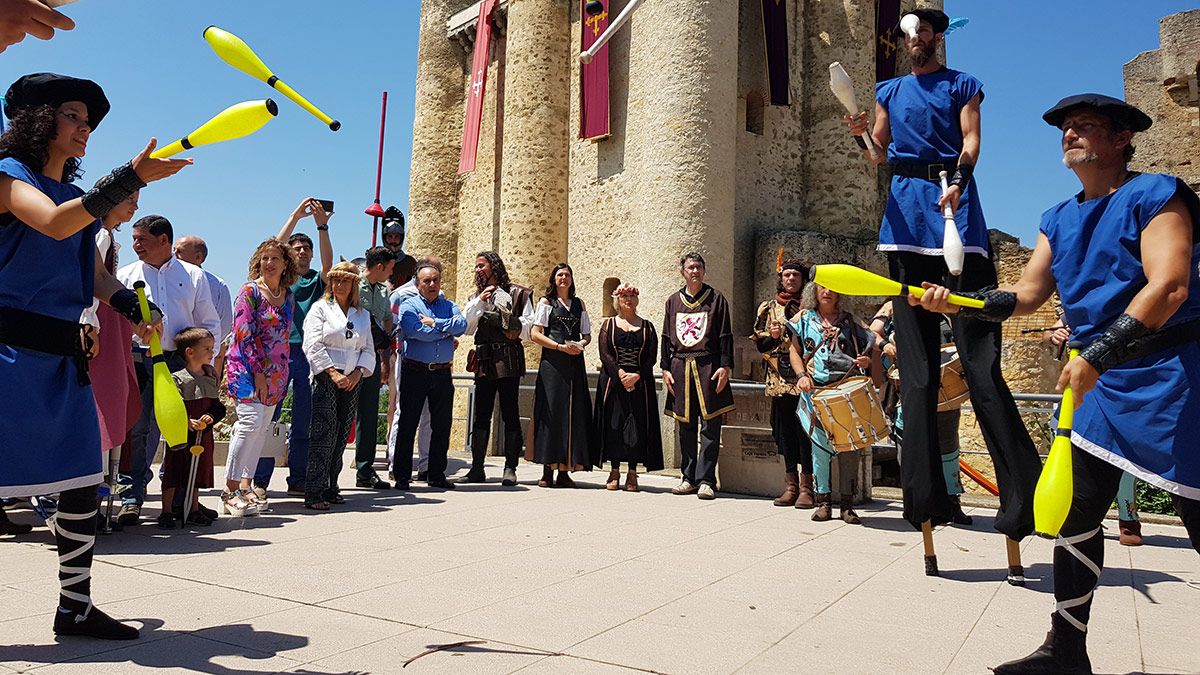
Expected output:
(997, 305)
(111, 190)
(1115, 344)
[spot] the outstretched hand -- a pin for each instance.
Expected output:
(150, 169)
(19, 18)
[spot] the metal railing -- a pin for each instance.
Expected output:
(466, 381)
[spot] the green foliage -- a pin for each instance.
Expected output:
(1152, 500)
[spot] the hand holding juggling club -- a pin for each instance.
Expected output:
(168, 404)
(843, 88)
(587, 56)
(1056, 485)
(850, 280)
(238, 54)
(952, 246)
(240, 119)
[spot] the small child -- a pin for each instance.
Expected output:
(197, 383)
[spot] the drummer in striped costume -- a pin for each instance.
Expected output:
(1123, 256)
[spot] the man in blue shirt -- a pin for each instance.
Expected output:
(929, 122)
(429, 322)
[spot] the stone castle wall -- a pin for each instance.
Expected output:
(1163, 84)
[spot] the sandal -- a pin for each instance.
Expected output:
(614, 480)
(631, 484)
(336, 499)
(317, 506)
(547, 479)
(564, 480)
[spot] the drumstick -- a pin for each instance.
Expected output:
(931, 568)
(587, 56)
(169, 412)
(850, 280)
(843, 89)
(240, 119)
(238, 54)
(952, 247)
(1016, 571)
(1056, 485)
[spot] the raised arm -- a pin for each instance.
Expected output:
(59, 221)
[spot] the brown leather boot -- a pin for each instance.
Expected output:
(791, 489)
(805, 498)
(846, 511)
(824, 503)
(1131, 532)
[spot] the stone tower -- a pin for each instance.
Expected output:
(1163, 84)
(695, 160)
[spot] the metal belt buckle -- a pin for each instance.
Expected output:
(934, 171)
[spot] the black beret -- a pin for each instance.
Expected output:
(50, 88)
(1123, 115)
(936, 18)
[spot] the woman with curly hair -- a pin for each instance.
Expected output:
(48, 276)
(256, 368)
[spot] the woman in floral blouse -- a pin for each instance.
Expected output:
(257, 367)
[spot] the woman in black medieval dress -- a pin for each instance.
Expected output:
(626, 403)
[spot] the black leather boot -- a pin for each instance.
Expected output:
(479, 443)
(1063, 653)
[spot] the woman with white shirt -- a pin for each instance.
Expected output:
(337, 343)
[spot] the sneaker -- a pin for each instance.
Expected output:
(706, 492)
(129, 514)
(510, 477)
(684, 488)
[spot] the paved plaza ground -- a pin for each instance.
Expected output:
(583, 581)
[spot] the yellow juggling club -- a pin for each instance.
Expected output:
(238, 54)
(850, 280)
(1056, 486)
(240, 119)
(168, 404)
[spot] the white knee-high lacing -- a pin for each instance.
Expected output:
(1062, 606)
(74, 575)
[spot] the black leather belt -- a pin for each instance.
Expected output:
(922, 170)
(46, 334)
(421, 365)
(1164, 339)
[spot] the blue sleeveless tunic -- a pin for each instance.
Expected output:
(924, 114)
(1139, 416)
(49, 432)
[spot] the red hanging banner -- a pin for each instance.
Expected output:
(593, 77)
(479, 66)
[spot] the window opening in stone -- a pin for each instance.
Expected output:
(610, 285)
(754, 112)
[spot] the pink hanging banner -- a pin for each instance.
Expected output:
(479, 66)
(593, 77)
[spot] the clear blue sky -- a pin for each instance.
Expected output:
(164, 80)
